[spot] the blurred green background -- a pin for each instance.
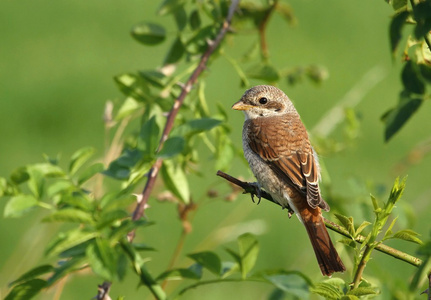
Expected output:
(57, 65)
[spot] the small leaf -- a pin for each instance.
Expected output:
(398, 4)
(26, 290)
(180, 16)
(195, 20)
(33, 273)
(264, 72)
(347, 223)
(18, 205)
(248, 251)
(422, 13)
(395, 29)
(79, 158)
(375, 203)
(129, 106)
(148, 140)
(169, 6)
(175, 53)
(228, 268)
(90, 172)
(362, 291)
(19, 175)
(411, 78)
(67, 240)
(175, 180)
(396, 118)
(172, 147)
(196, 126)
(326, 290)
(69, 215)
(109, 217)
(178, 274)
(388, 233)
(149, 33)
(208, 260)
(293, 283)
(408, 235)
(361, 227)
(103, 259)
(136, 90)
(65, 267)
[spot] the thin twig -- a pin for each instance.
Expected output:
(262, 30)
(249, 188)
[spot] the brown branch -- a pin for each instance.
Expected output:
(250, 188)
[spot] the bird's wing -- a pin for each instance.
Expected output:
(290, 158)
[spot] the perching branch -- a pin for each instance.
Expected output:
(250, 188)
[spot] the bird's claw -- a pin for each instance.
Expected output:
(257, 192)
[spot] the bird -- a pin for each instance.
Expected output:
(280, 155)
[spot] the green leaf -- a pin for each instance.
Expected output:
(77, 200)
(103, 259)
(388, 233)
(33, 273)
(47, 170)
(422, 13)
(79, 158)
(65, 267)
(18, 205)
(26, 290)
(412, 79)
(347, 223)
(196, 126)
(293, 283)
(69, 215)
(178, 274)
(149, 33)
(396, 118)
(172, 147)
(120, 168)
(109, 217)
(134, 87)
(169, 6)
(208, 260)
(19, 175)
(425, 71)
(36, 182)
(395, 29)
(229, 267)
(129, 106)
(398, 4)
(175, 180)
(195, 20)
(67, 240)
(248, 251)
(60, 187)
(326, 290)
(148, 140)
(175, 53)
(362, 291)
(264, 72)
(408, 235)
(180, 16)
(90, 172)
(361, 227)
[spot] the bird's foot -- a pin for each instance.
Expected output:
(289, 211)
(256, 192)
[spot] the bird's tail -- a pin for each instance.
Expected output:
(327, 257)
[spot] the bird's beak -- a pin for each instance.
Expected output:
(241, 106)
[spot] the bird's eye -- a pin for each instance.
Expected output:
(263, 100)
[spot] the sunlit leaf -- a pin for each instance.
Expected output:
(326, 290)
(18, 205)
(362, 291)
(248, 251)
(388, 233)
(149, 33)
(347, 223)
(169, 6)
(90, 172)
(129, 106)
(175, 180)
(69, 215)
(79, 158)
(69, 239)
(361, 227)
(134, 87)
(408, 235)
